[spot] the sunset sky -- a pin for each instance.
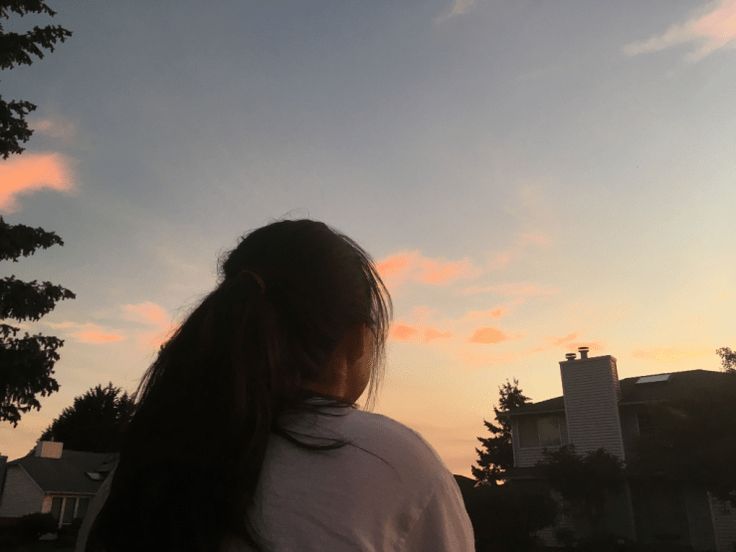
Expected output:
(531, 176)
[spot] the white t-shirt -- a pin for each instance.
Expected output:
(387, 490)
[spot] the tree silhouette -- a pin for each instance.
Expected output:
(496, 454)
(27, 361)
(19, 49)
(728, 358)
(95, 422)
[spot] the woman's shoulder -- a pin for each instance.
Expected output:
(398, 444)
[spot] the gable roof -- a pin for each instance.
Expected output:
(67, 474)
(678, 384)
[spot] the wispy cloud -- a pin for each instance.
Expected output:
(457, 7)
(31, 172)
(709, 31)
(413, 267)
(406, 332)
(488, 335)
(157, 322)
(569, 342)
(88, 332)
(55, 127)
(460, 7)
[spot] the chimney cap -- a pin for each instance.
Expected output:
(583, 351)
(570, 356)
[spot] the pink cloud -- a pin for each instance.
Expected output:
(30, 172)
(426, 334)
(403, 332)
(488, 335)
(710, 30)
(412, 266)
(154, 316)
(97, 336)
(147, 313)
(88, 332)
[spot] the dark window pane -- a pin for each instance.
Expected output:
(56, 507)
(528, 436)
(69, 504)
(548, 428)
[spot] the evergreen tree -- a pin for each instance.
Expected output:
(95, 422)
(26, 361)
(496, 455)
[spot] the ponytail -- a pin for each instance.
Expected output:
(208, 405)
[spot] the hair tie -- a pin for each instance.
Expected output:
(256, 277)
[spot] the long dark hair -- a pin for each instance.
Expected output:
(209, 403)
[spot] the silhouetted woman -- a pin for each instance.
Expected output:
(246, 435)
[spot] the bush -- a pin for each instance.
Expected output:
(32, 526)
(68, 534)
(505, 518)
(26, 529)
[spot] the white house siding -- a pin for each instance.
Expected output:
(21, 495)
(724, 525)
(528, 457)
(591, 393)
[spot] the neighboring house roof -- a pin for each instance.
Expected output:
(68, 474)
(678, 384)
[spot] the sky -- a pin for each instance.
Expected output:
(529, 176)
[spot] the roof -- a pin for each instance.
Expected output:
(690, 382)
(67, 474)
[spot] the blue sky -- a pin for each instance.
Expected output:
(531, 175)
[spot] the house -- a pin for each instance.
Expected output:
(597, 410)
(52, 479)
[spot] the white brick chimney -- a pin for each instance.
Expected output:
(591, 392)
(49, 449)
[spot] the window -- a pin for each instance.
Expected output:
(528, 436)
(69, 506)
(540, 431)
(66, 509)
(548, 428)
(56, 504)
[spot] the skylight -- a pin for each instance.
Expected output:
(653, 379)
